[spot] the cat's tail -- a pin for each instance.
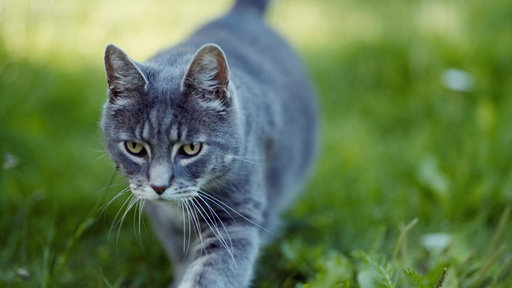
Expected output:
(256, 6)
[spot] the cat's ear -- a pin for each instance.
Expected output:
(123, 76)
(208, 72)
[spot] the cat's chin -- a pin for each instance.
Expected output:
(166, 196)
(175, 202)
(177, 197)
(164, 202)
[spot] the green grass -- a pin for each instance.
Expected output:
(413, 178)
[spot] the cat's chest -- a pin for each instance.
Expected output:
(167, 212)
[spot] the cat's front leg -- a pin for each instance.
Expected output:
(225, 261)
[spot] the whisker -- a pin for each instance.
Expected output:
(220, 220)
(132, 201)
(249, 159)
(102, 152)
(208, 197)
(186, 242)
(213, 227)
(98, 150)
(137, 218)
(216, 216)
(99, 157)
(103, 208)
(184, 226)
(189, 231)
(196, 208)
(221, 204)
(115, 222)
(196, 223)
(111, 186)
(141, 215)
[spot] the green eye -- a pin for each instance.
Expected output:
(190, 149)
(136, 149)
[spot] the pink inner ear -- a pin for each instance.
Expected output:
(122, 73)
(208, 69)
(222, 75)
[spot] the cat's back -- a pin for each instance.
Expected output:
(256, 49)
(272, 86)
(274, 97)
(276, 92)
(269, 74)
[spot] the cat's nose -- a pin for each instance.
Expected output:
(159, 189)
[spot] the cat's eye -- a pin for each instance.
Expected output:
(191, 149)
(134, 148)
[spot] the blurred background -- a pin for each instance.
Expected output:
(414, 174)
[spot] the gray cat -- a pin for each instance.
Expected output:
(214, 151)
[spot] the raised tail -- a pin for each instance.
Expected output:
(255, 6)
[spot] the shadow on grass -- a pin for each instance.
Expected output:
(397, 146)
(54, 171)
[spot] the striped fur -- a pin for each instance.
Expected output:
(225, 124)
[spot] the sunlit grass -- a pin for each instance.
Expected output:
(413, 177)
(74, 29)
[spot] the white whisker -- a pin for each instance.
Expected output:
(186, 242)
(196, 208)
(132, 201)
(99, 157)
(251, 160)
(211, 198)
(115, 222)
(103, 209)
(213, 227)
(221, 205)
(184, 227)
(137, 218)
(196, 223)
(132, 204)
(216, 216)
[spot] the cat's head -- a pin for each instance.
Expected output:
(171, 128)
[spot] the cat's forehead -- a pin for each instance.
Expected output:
(172, 120)
(165, 75)
(163, 87)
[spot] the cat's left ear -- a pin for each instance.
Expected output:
(125, 80)
(208, 72)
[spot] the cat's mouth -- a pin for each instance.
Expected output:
(165, 195)
(177, 196)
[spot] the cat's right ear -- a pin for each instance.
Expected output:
(124, 78)
(208, 71)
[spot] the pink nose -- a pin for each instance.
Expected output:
(159, 189)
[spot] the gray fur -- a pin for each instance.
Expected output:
(248, 100)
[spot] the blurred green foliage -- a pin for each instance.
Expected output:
(413, 176)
